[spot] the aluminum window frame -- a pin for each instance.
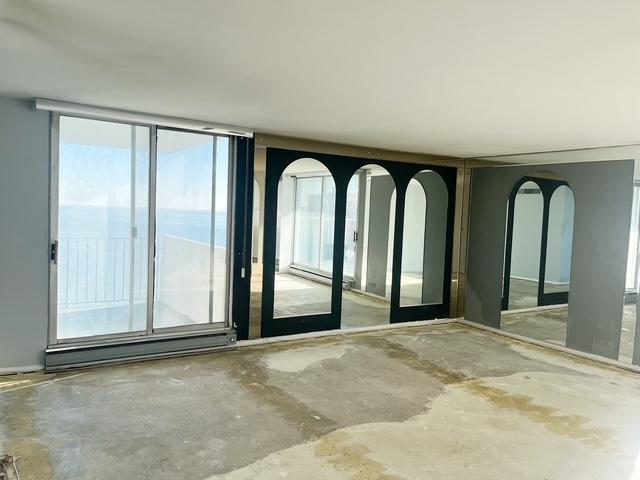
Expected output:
(54, 189)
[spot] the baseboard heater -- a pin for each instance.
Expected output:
(73, 356)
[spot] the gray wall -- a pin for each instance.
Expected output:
(603, 195)
(24, 234)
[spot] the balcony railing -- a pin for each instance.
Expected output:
(97, 271)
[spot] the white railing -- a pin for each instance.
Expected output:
(96, 271)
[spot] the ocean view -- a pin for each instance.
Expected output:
(95, 250)
(80, 221)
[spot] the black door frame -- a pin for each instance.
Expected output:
(243, 151)
(342, 169)
(547, 188)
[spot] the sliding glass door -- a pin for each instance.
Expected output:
(102, 220)
(116, 273)
(191, 229)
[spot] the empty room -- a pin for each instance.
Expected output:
(319, 240)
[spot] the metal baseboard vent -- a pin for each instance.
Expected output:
(62, 358)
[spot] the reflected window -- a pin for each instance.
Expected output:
(305, 237)
(307, 221)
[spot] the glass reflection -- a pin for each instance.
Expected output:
(305, 237)
(525, 252)
(424, 240)
(559, 241)
(370, 218)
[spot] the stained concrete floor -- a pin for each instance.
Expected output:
(434, 402)
(550, 325)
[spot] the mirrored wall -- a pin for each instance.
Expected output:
(628, 326)
(537, 267)
(332, 250)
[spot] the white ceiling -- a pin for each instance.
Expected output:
(455, 77)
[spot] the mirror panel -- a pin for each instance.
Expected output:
(424, 240)
(305, 231)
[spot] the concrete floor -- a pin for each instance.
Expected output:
(435, 402)
(550, 325)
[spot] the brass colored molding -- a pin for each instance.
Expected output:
(290, 143)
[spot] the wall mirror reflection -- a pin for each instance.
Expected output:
(629, 312)
(370, 220)
(304, 239)
(559, 241)
(537, 269)
(424, 240)
(525, 247)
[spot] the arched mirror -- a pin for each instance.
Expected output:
(304, 239)
(559, 242)
(424, 240)
(526, 239)
(538, 258)
(370, 216)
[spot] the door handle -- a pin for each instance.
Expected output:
(53, 252)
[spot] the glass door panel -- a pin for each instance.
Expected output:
(191, 229)
(103, 185)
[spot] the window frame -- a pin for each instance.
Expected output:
(150, 332)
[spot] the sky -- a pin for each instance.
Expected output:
(91, 174)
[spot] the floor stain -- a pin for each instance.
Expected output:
(349, 457)
(412, 360)
(573, 426)
(21, 438)
(250, 373)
